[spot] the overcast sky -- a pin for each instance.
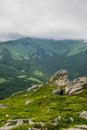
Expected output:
(58, 19)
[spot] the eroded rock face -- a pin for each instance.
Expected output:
(75, 86)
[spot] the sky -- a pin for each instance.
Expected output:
(55, 19)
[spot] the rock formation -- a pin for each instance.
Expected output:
(75, 86)
(60, 79)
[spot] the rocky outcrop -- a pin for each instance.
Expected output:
(60, 78)
(58, 74)
(75, 86)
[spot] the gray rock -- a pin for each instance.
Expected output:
(78, 127)
(48, 110)
(59, 74)
(29, 128)
(20, 122)
(58, 91)
(81, 126)
(34, 129)
(3, 106)
(76, 86)
(30, 122)
(83, 115)
(72, 119)
(59, 117)
(33, 88)
(27, 102)
(73, 129)
(56, 121)
(7, 115)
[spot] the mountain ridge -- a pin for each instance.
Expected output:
(27, 61)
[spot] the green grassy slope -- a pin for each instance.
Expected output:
(45, 108)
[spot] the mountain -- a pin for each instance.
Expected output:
(28, 61)
(59, 104)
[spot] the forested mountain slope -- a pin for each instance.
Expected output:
(29, 61)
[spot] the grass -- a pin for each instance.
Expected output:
(45, 108)
(2, 80)
(34, 79)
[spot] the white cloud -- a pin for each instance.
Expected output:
(57, 19)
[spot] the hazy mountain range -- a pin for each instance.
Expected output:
(29, 61)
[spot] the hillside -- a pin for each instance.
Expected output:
(28, 61)
(59, 104)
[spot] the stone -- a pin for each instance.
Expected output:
(73, 129)
(29, 128)
(42, 124)
(58, 91)
(7, 115)
(83, 115)
(20, 122)
(56, 121)
(75, 86)
(48, 110)
(81, 126)
(78, 127)
(27, 102)
(34, 129)
(72, 119)
(59, 74)
(30, 122)
(3, 106)
(33, 88)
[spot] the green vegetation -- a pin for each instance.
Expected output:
(38, 58)
(33, 79)
(45, 108)
(2, 80)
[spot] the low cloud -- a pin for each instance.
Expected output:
(58, 19)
